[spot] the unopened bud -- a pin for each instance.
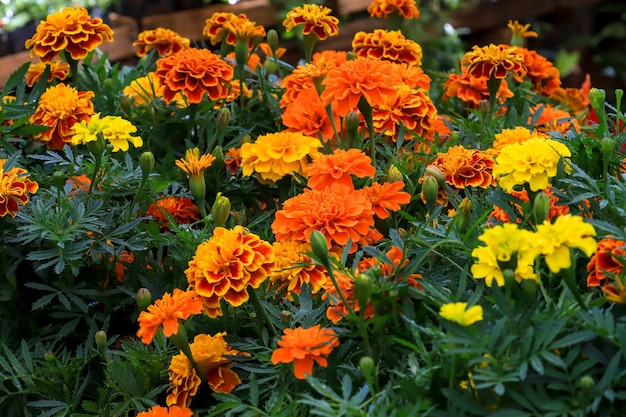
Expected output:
(218, 153)
(285, 316)
(96, 147)
(270, 65)
(143, 298)
(363, 290)
(483, 106)
(394, 174)
(101, 339)
(435, 171)
(463, 215)
(125, 105)
(220, 210)
(272, 39)
(367, 365)
(597, 98)
(49, 356)
(430, 190)
(319, 245)
(607, 144)
(146, 162)
(353, 121)
(509, 273)
(58, 179)
(586, 383)
(541, 207)
(223, 118)
(197, 186)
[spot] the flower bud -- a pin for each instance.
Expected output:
(353, 121)
(367, 365)
(607, 144)
(362, 290)
(197, 186)
(272, 39)
(220, 210)
(483, 106)
(146, 162)
(223, 118)
(49, 356)
(394, 174)
(218, 153)
(270, 65)
(285, 316)
(541, 207)
(435, 171)
(125, 105)
(586, 383)
(143, 298)
(597, 98)
(96, 147)
(509, 273)
(430, 190)
(58, 179)
(101, 339)
(463, 215)
(319, 245)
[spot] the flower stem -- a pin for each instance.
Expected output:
(258, 306)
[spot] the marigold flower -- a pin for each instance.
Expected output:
(389, 45)
(520, 30)
(144, 90)
(338, 168)
(554, 240)
(80, 182)
(308, 76)
(306, 115)
(459, 313)
(412, 76)
(554, 210)
(507, 247)
(226, 264)
(60, 107)
(616, 291)
(386, 197)
(338, 211)
(552, 120)
(393, 261)
(173, 411)
(193, 165)
(473, 90)
(575, 99)
(166, 312)
(293, 268)
(543, 75)
(182, 209)
(534, 161)
(165, 41)
(14, 189)
(303, 347)
(517, 134)
(384, 8)
(115, 130)
(229, 26)
(209, 353)
(604, 263)
(496, 60)
(232, 159)
(194, 72)
(71, 30)
(466, 167)
(365, 78)
(315, 19)
(337, 309)
(58, 71)
(275, 155)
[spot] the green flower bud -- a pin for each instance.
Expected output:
(49, 356)
(509, 273)
(96, 147)
(463, 214)
(430, 190)
(285, 316)
(223, 118)
(270, 65)
(607, 144)
(367, 365)
(362, 290)
(220, 210)
(394, 174)
(483, 106)
(597, 98)
(101, 339)
(218, 153)
(146, 162)
(586, 383)
(143, 298)
(272, 39)
(434, 171)
(198, 191)
(125, 104)
(58, 179)
(320, 247)
(353, 121)
(541, 207)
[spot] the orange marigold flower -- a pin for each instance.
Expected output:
(182, 209)
(166, 312)
(308, 116)
(194, 72)
(14, 189)
(165, 41)
(386, 197)
(365, 78)
(173, 411)
(407, 107)
(210, 354)
(604, 265)
(235, 92)
(58, 70)
(337, 308)
(543, 75)
(315, 19)
(338, 168)
(384, 8)
(615, 291)
(293, 268)
(229, 26)
(518, 134)
(338, 211)
(389, 45)
(394, 260)
(146, 89)
(232, 160)
(303, 347)
(551, 119)
(554, 211)
(496, 60)
(329, 58)
(71, 30)
(60, 107)
(413, 76)
(305, 77)
(575, 99)
(193, 165)
(275, 155)
(79, 182)
(226, 264)
(472, 90)
(466, 167)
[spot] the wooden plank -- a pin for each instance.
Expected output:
(10, 63)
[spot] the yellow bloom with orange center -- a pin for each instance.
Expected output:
(60, 107)
(275, 155)
(15, 186)
(165, 41)
(193, 165)
(494, 60)
(70, 30)
(58, 71)
(226, 264)
(314, 19)
(466, 167)
(304, 347)
(384, 8)
(533, 162)
(390, 45)
(294, 268)
(518, 134)
(459, 313)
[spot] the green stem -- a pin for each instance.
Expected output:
(309, 43)
(366, 111)
(73, 68)
(261, 311)
(144, 180)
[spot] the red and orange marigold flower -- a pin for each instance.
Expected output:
(182, 209)
(70, 30)
(194, 72)
(385, 8)
(389, 45)
(494, 60)
(293, 268)
(543, 75)
(166, 312)
(60, 107)
(304, 347)
(15, 186)
(229, 27)
(466, 167)
(173, 411)
(472, 90)
(550, 119)
(225, 265)
(314, 18)
(58, 71)
(604, 265)
(338, 168)
(165, 41)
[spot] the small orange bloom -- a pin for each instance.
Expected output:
(387, 197)
(71, 30)
(293, 268)
(384, 8)
(194, 72)
(338, 168)
(58, 70)
(496, 60)
(551, 119)
(413, 76)
(193, 165)
(520, 30)
(389, 45)
(232, 160)
(79, 182)
(315, 19)
(14, 189)
(165, 41)
(337, 308)
(308, 116)
(466, 167)
(174, 411)
(543, 75)
(308, 76)
(472, 90)
(182, 209)
(555, 209)
(575, 99)
(166, 312)
(303, 347)
(604, 265)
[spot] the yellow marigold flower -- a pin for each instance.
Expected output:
(519, 32)
(193, 165)
(58, 70)
(165, 41)
(314, 18)
(507, 247)
(14, 189)
(459, 313)
(115, 130)
(293, 268)
(229, 26)
(384, 8)
(144, 90)
(209, 353)
(274, 155)
(496, 60)
(555, 240)
(71, 30)
(226, 264)
(390, 45)
(534, 162)
(517, 134)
